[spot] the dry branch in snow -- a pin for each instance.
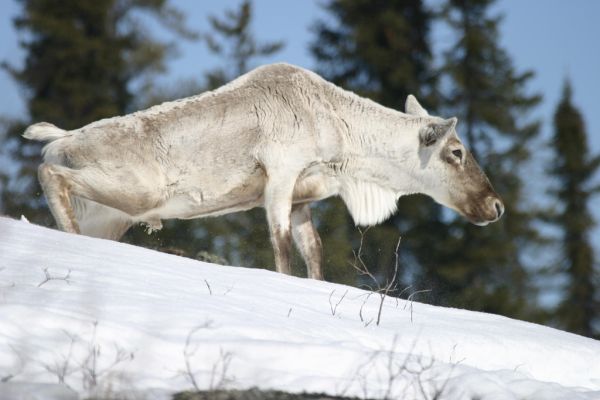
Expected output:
(383, 290)
(63, 367)
(218, 374)
(333, 307)
(94, 363)
(90, 366)
(208, 286)
(405, 374)
(49, 277)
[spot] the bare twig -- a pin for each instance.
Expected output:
(358, 264)
(188, 353)
(208, 286)
(393, 371)
(360, 314)
(219, 371)
(49, 277)
(90, 365)
(401, 371)
(333, 307)
(63, 367)
(410, 299)
(383, 290)
(289, 312)
(401, 293)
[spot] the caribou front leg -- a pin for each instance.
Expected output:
(278, 205)
(307, 240)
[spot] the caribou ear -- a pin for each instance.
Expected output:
(413, 107)
(431, 133)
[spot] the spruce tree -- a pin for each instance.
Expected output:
(233, 42)
(81, 61)
(574, 168)
(379, 49)
(485, 268)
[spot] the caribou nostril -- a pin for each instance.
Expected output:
(499, 208)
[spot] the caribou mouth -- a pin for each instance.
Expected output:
(483, 219)
(490, 211)
(480, 223)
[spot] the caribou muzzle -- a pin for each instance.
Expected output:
(484, 209)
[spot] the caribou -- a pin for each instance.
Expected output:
(278, 137)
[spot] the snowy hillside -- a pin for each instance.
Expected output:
(105, 316)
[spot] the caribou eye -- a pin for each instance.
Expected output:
(458, 154)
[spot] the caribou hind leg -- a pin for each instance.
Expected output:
(278, 205)
(58, 194)
(94, 203)
(307, 240)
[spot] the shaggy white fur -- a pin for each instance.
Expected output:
(368, 203)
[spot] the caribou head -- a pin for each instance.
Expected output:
(451, 175)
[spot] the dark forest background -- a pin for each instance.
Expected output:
(91, 60)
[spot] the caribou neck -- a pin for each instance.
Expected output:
(379, 160)
(380, 145)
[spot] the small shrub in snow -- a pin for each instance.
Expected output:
(382, 289)
(218, 375)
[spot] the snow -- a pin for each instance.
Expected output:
(104, 317)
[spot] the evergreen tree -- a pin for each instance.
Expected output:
(574, 169)
(379, 49)
(81, 61)
(232, 40)
(474, 267)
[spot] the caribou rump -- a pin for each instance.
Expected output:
(278, 137)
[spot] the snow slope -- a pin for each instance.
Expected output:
(117, 319)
